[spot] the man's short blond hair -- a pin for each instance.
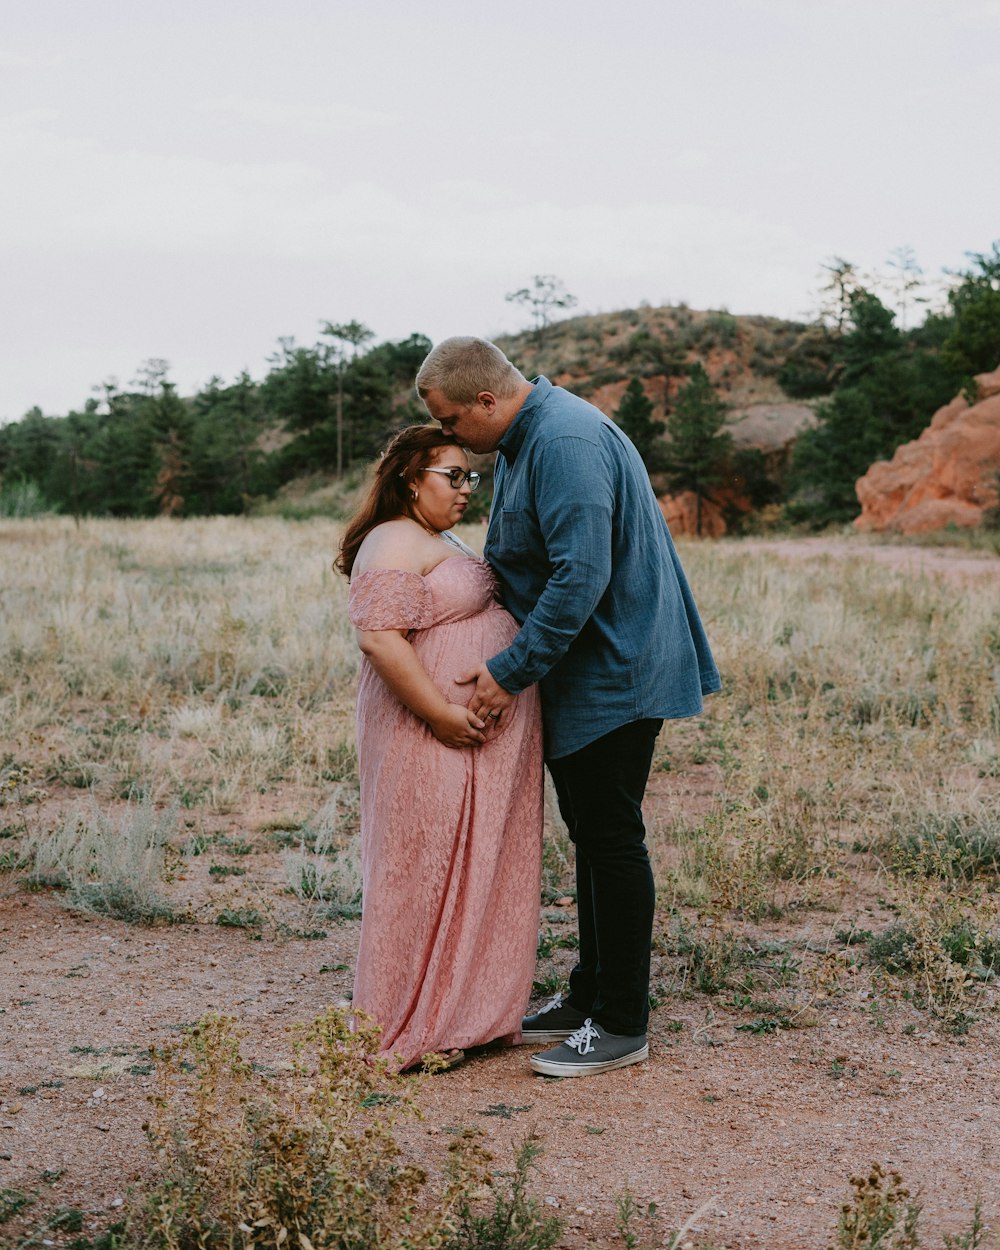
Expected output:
(462, 366)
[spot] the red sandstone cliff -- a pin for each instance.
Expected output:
(681, 512)
(948, 476)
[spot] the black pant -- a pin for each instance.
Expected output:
(600, 789)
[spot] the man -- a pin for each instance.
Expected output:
(610, 630)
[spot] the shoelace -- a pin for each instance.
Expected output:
(581, 1039)
(556, 1002)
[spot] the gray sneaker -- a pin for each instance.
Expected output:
(551, 1023)
(590, 1050)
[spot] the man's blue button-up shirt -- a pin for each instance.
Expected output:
(588, 569)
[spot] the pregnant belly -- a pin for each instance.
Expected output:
(450, 651)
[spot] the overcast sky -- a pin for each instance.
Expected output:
(193, 179)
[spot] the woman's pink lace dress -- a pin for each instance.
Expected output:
(451, 838)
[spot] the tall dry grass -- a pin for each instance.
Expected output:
(861, 708)
(197, 661)
(204, 663)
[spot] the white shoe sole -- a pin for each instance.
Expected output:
(534, 1038)
(549, 1067)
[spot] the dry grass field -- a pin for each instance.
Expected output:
(178, 816)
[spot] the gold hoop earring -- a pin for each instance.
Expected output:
(414, 494)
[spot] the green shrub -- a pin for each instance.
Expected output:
(23, 499)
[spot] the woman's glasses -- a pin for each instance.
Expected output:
(456, 477)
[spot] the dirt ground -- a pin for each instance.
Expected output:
(761, 1130)
(954, 565)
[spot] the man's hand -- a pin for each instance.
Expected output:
(489, 700)
(456, 726)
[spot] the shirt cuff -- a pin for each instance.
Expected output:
(503, 670)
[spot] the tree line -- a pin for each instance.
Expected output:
(146, 451)
(874, 381)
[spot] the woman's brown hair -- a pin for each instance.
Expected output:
(389, 495)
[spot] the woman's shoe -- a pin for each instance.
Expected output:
(440, 1061)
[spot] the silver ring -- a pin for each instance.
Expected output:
(493, 715)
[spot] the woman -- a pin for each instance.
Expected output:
(451, 806)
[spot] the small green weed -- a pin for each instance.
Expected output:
(549, 942)
(11, 1202)
(305, 935)
(517, 1221)
(545, 986)
(763, 1025)
(504, 1110)
(239, 918)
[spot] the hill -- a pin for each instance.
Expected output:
(597, 355)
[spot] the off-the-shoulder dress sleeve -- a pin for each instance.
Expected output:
(389, 599)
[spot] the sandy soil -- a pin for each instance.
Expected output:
(767, 1128)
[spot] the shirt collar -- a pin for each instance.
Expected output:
(517, 432)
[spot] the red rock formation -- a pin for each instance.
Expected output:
(948, 476)
(681, 512)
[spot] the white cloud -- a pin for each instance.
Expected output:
(12, 61)
(139, 202)
(306, 119)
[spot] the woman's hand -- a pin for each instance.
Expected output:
(456, 726)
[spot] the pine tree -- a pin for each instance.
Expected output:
(698, 448)
(634, 416)
(170, 422)
(973, 344)
(356, 334)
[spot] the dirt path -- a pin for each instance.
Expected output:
(952, 564)
(767, 1127)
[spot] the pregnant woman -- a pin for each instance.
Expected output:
(451, 805)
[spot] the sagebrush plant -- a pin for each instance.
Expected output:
(326, 865)
(306, 1156)
(111, 863)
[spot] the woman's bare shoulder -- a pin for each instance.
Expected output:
(395, 544)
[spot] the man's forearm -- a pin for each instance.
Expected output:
(564, 607)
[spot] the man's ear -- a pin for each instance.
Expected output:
(488, 400)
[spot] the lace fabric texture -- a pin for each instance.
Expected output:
(451, 839)
(390, 599)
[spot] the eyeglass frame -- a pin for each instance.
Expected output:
(466, 475)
